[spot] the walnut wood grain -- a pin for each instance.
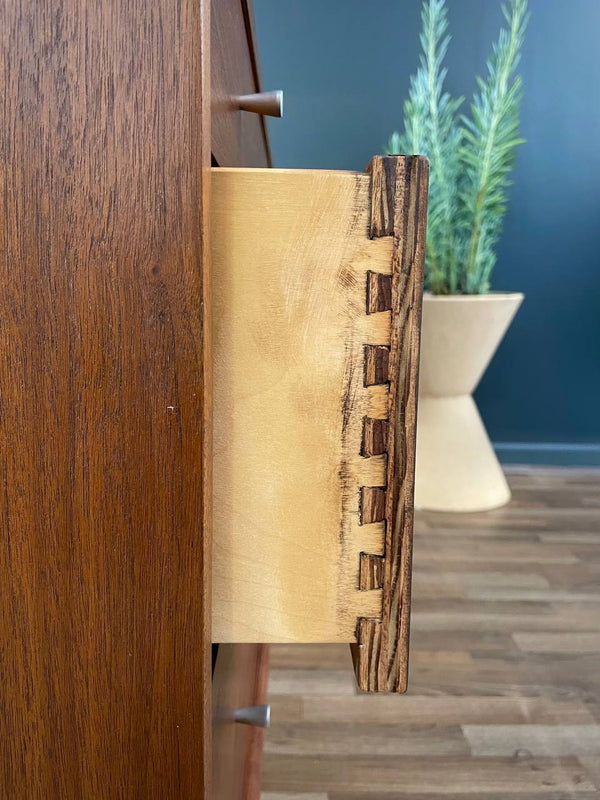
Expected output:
(239, 138)
(371, 571)
(372, 504)
(254, 753)
(240, 681)
(375, 437)
(377, 364)
(105, 399)
(379, 292)
(399, 210)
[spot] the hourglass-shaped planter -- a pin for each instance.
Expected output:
(456, 468)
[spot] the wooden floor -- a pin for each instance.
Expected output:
(504, 699)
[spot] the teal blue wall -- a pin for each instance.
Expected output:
(344, 68)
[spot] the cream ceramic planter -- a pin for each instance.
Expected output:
(457, 469)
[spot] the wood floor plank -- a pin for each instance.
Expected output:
(467, 548)
(566, 619)
(373, 709)
(337, 739)
(430, 659)
(483, 579)
(471, 641)
(535, 642)
(578, 576)
(507, 532)
(552, 675)
(286, 707)
(534, 740)
(548, 794)
(504, 687)
(592, 765)
(310, 656)
(467, 607)
(577, 537)
(310, 681)
(293, 796)
(440, 775)
(527, 595)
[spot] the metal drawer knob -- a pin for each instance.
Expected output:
(259, 716)
(268, 103)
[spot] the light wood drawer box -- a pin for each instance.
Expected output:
(317, 287)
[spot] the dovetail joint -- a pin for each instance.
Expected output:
(375, 432)
(379, 292)
(377, 364)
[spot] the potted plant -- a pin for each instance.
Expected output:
(471, 158)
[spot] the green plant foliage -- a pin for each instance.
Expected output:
(470, 157)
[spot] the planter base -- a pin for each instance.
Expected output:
(457, 469)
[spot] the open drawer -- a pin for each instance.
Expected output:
(317, 287)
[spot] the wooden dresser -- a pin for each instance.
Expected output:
(156, 290)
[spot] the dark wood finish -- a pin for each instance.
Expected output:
(504, 693)
(375, 436)
(254, 752)
(372, 504)
(399, 209)
(377, 358)
(240, 680)
(105, 393)
(371, 571)
(239, 138)
(379, 292)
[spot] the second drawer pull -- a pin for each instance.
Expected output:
(268, 103)
(258, 716)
